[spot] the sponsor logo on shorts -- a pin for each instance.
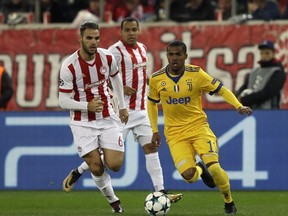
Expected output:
(79, 149)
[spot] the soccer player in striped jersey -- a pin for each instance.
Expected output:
(131, 59)
(179, 88)
(83, 90)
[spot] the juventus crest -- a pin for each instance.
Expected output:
(189, 84)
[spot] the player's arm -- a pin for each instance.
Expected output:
(152, 106)
(153, 117)
(66, 102)
(230, 98)
(117, 85)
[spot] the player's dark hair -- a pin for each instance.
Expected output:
(177, 43)
(129, 19)
(88, 25)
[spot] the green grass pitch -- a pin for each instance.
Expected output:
(92, 203)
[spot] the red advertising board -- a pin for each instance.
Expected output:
(227, 52)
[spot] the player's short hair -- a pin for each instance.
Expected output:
(177, 43)
(129, 19)
(88, 25)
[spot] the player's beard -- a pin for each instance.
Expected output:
(88, 51)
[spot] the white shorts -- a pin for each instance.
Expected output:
(140, 126)
(104, 133)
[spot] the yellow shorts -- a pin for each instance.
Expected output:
(184, 147)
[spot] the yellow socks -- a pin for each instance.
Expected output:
(222, 181)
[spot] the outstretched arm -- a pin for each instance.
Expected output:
(230, 98)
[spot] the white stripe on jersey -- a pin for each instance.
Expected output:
(132, 64)
(87, 81)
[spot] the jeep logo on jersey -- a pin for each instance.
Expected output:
(181, 100)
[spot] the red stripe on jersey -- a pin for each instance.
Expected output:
(132, 103)
(77, 114)
(65, 90)
(144, 81)
(99, 64)
(87, 80)
(122, 66)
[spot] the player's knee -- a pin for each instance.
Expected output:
(114, 161)
(214, 169)
(188, 174)
(149, 148)
(115, 167)
(96, 169)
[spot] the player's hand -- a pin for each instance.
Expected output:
(129, 91)
(156, 139)
(123, 115)
(244, 110)
(95, 105)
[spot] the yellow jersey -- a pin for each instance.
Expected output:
(181, 98)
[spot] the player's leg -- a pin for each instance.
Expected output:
(112, 146)
(139, 125)
(182, 154)
(102, 179)
(142, 132)
(152, 161)
(88, 146)
(208, 150)
(154, 169)
(73, 176)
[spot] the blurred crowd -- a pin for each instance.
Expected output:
(76, 11)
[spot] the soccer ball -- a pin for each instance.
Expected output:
(157, 203)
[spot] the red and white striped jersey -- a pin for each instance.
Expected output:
(86, 80)
(132, 65)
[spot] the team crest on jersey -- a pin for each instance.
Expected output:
(103, 69)
(189, 84)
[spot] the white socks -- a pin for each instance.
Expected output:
(105, 186)
(154, 169)
(83, 167)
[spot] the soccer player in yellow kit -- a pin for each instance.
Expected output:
(179, 88)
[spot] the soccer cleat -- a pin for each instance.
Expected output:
(230, 208)
(172, 197)
(116, 207)
(71, 180)
(206, 176)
